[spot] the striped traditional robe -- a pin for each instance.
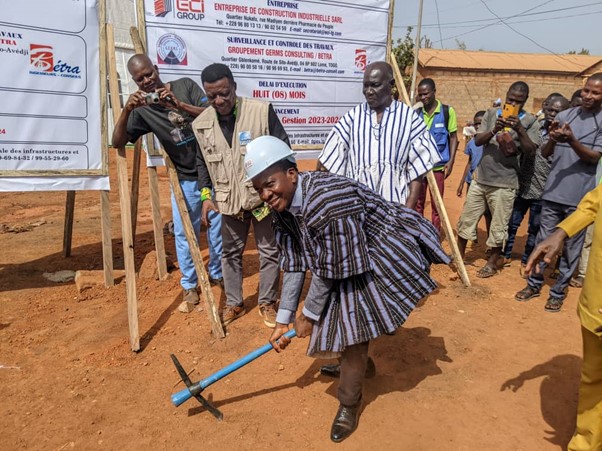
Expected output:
(378, 252)
(383, 156)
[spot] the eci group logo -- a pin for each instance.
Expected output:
(42, 62)
(191, 10)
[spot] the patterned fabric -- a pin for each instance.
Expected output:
(534, 170)
(383, 156)
(378, 253)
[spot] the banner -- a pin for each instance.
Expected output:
(306, 57)
(50, 112)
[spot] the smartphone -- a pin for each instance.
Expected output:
(510, 110)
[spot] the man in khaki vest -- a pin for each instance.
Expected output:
(223, 130)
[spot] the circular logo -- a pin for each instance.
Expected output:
(171, 49)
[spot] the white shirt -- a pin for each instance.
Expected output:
(385, 157)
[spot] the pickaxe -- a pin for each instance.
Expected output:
(194, 390)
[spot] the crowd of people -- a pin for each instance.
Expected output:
(538, 164)
(356, 223)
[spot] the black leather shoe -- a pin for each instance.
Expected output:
(214, 282)
(345, 422)
(334, 370)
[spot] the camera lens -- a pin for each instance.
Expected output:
(152, 97)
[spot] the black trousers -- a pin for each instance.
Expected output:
(353, 372)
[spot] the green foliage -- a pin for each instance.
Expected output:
(583, 51)
(403, 50)
(461, 44)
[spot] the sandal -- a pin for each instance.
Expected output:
(577, 282)
(553, 305)
(526, 293)
(486, 271)
(522, 271)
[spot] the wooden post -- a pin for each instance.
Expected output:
(135, 185)
(390, 29)
(195, 253)
(124, 202)
(416, 52)
(105, 204)
(140, 31)
(107, 244)
(438, 201)
(401, 87)
(153, 184)
(68, 226)
(153, 179)
(447, 228)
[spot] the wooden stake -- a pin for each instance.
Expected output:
(107, 245)
(388, 54)
(438, 201)
(68, 226)
(105, 204)
(195, 253)
(153, 179)
(102, 56)
(139, 39)
(416, 53)
(153, 184)
(124, 202)
(401, 87)
(135, 185)
(447, 228)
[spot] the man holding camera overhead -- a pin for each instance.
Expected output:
(167, 110)
(505, 134)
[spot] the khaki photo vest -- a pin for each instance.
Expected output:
(233, 192)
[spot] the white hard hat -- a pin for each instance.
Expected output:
(263, 152)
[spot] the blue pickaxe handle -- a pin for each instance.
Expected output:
(184, 395)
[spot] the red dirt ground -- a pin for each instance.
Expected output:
(69, 380)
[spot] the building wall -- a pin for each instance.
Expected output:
(470, 91)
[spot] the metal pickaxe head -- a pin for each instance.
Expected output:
(194, 391)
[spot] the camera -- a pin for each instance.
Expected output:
(152, 98)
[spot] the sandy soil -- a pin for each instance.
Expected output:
(69, 380)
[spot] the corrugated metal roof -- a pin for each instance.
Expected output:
(509, 62)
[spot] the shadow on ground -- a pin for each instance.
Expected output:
(558, 394)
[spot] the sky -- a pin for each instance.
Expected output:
(538, 26)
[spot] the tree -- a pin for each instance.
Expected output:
(403, 50)
(583, 51)
(461, 44)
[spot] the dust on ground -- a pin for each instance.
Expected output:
(68, 379)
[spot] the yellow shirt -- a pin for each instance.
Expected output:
(589, 211)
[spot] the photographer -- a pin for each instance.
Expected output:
(504, 139)
(167, 110)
